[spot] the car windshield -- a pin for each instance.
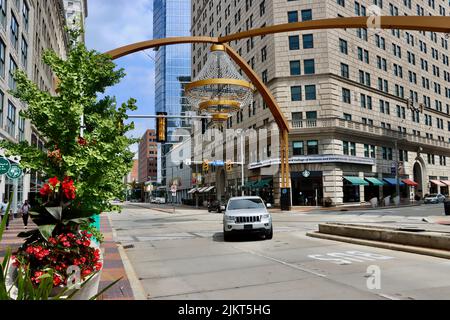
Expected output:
(246, 204)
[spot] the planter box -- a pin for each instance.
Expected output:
(86, 292)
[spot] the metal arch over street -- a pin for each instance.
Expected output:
(416, 23)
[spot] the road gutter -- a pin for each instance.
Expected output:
(136, 286)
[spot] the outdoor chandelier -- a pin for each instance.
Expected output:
(219, 90)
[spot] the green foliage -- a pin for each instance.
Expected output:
(100, 160)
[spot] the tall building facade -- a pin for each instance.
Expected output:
(171, 18)
(76, 12)
(27, 29)
(359, 101)
(148, 158)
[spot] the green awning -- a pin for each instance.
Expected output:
(375, 181)
(265, 183)
(250, 184)
(356, 181)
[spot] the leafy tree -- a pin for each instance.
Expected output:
(98, 161)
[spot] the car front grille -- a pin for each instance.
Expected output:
(248, 219)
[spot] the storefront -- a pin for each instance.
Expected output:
(444, 190)
(390, 188)
(435, 184)
(373, 189)
(307, 188)
(351, 188)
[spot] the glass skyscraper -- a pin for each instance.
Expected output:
(171, 18)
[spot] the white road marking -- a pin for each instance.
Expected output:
(344, 258)
(283, 263)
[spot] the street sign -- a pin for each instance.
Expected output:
(218, 163)
(5, 165)
(15, 172)
(393, 168)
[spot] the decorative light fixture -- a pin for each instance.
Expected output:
(219, 89)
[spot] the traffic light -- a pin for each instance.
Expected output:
(204, 125)
(161, 127)
(205, 166)
(229, 166)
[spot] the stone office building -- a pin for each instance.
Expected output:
(27, 29)
(359, 101)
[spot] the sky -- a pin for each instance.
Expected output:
(115, 23)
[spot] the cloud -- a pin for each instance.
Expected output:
(114, 23)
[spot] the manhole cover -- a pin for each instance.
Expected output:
(129, 246)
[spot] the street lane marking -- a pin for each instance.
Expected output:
(344, 258)
(283, 263)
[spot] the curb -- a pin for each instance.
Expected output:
(435, 240)
(136, 286)
(391, 246)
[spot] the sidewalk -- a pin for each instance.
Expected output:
(112, 265)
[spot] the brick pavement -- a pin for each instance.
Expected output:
(112, 265)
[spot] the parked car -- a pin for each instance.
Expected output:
(247, 215)
(216, 206)
(434, 198)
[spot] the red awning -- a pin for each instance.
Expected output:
(447, 182)
(438, 183)
(411, 183)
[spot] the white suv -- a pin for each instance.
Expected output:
(247, 215)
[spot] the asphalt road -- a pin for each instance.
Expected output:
(182, 255)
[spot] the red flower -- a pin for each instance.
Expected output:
(98, 266)
(86, 243)
(66, 244)
(56, 280)
(86, 272)
(52, 241)
(45, 190)
(54, 182)
(81, 141)
(69, 188)
(29, 250)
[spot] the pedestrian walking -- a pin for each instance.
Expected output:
(25, 209)
(3, 207)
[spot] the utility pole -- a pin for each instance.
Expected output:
(397, 177)
(242, 163)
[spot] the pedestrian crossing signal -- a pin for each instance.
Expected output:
(161, 127)
(229, 166)
(205, 165)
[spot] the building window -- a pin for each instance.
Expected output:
(11, 119)
(295, 67)
(292, 16)
(14, 32)
(21, 129)
(25, 15)
(294, 43)
(345, 95)
(264, 76)
(3, 13)
(343, 46)
(2, 106)
(2, 58)
(349, 148)
(298, 148)
(262, 8)
(369, 151)
(347, 117)
(296, 93)
(344, 71)
(313, 147)
(311, 115)
(264, 54)
(12, 70)
(308, 41)
(309, 66)
(310, 92)
(306, 15)
(24, 53)
(387, 153)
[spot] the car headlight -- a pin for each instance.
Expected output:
(230, 218)
(266, 216)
